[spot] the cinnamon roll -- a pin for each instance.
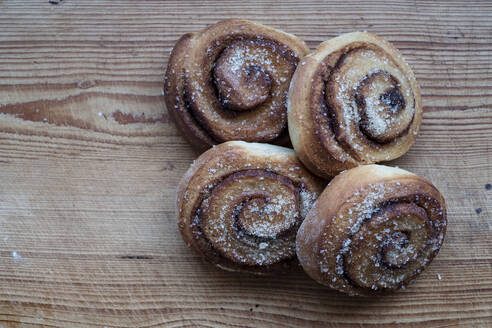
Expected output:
(240, 205)
(372, 230)
(230, 82)
(353, 101)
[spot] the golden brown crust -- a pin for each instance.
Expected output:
(353, 101)
(174, 88)
(240, 205)
(372, 230)
(230, 82)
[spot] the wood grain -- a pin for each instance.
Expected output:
(89, 163)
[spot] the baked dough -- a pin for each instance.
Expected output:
(230, 82)
(353, 101)
(240, 205)
(373, 230)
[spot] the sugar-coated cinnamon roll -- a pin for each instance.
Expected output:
(372, 230)
(240, 205)
(353, 101)
(230, 82)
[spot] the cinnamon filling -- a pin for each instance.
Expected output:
(257, 217)
(242, 83)
(380, 103)
(250, 217)
(365, 102)
(241, 93)
(389, 249)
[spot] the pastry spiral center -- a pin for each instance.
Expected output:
(396, 251)
(369, 101)
(380, 102)
(241, 82)
(261, 217)
(388, 248)
(253, 210)
(393, 99)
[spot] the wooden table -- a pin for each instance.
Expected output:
(89, 162)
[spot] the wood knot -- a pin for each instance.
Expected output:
(86, 84)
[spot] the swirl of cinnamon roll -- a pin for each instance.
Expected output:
(353, 101)
(373, 230)
(240, 205)
(230, 82)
